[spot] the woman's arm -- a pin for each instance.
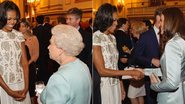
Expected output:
(15, 94)
(105, 72)
(172, 75)
(123, 93)
(34, 49)
(24, 63)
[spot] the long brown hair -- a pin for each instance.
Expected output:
(173, 23)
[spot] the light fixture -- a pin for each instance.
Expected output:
(32, 1)
(94, 11)
(120, 5)
(33, 5)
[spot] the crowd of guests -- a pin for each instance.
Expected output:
(83, 66)
(119, 44)
(30, 54)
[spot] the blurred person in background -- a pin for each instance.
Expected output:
(43, 35)
(32, 50)
(136, 90)
(124, 44)
(61, 20)
(148, 23)
(73, 18)
(90, 27)
(147, 53)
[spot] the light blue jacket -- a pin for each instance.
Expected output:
(71, 84)
(172, 63)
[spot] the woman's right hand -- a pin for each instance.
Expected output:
(156, 62)
(154, 79)
(137, 74)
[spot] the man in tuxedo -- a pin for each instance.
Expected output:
(89, 28)
(52, 66)
(147, 54)
(124, 42)
(124, 45)
(42, 37)
(47, 29)
(73, 18)
(61, 20)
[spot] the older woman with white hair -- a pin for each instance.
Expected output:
(71, 84)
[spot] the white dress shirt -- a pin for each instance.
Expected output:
(157, 33)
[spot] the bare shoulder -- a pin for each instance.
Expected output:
(33, 38)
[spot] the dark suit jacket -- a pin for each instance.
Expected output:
(122, 39)
(39, 31)
(42, 61)
(52, 65)
(147, 48)
(89, 29)
(96, 99)
(47, 29)
(86, 54)
(43, 34)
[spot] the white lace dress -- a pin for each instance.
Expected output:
(10, 66)
(110, 87)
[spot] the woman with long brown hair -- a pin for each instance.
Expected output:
(172, 61)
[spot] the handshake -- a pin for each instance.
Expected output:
(146, 72)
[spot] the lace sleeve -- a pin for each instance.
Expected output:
(20, 37)
(96, 39)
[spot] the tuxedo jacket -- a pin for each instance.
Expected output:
(89, 29)
(122, 40)
(86, 54)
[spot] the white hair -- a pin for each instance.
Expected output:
(68, 38)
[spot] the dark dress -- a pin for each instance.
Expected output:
(32, 75)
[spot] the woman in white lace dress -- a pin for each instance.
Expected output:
(105, 56)
(13, 62)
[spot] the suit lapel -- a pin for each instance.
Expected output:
(155, 37)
